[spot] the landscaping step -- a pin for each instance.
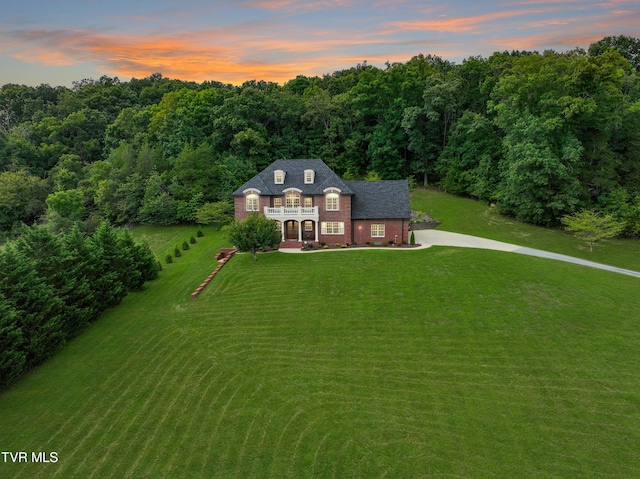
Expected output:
(223, 256)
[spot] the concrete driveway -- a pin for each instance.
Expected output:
(444, 238)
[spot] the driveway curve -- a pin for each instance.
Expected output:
(445, 238)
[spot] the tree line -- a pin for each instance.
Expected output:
(541, 135)
(53, 285)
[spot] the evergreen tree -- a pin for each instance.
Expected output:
(109, 285)
(12, 348)
(83, 272)
(39, 311)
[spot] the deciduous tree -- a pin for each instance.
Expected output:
(592, 227)
(254, 233)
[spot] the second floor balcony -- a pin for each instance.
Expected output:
(299, 212)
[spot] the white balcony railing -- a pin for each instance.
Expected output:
(291, 212)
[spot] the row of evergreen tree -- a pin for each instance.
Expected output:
(53, 285)
(539, 134)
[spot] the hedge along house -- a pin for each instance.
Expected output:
(313, 204)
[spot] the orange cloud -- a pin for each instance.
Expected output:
(461, 24)
(579, 33)
(223, 55)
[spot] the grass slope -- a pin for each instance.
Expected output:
(439, 362)
(467, 216)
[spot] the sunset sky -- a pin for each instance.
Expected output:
(59, 41)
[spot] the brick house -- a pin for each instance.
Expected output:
(311, 203)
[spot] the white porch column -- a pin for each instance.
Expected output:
(300, 231)
(317, 223)
(282, 230)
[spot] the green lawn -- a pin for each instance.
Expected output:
(468, 216)
(441, 362)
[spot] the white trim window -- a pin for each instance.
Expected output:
(333, 201)
(309, 176)
(278, 177)
(308, 226)
(377, 230)
(332, 227)
(292, 200)
(308, 202)
(253, 202)
(277, 202)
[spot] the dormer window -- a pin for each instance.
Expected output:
(278, 177)
(309, 177)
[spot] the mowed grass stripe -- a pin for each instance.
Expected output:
(191, 410)
(83, 419)
(105, 432)
(356, 364)
(149, 437)
(142, 425)
(120, 376)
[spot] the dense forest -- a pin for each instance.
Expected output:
(540, 135)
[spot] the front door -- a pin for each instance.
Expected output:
(291, 230)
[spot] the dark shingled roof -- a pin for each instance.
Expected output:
(371, 199)
(294, 178)
(379, 199)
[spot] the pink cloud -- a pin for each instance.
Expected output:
(298, 5)
(461, 24)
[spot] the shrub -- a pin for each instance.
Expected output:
(169, 259)
(412, 240)
(185, 245)
(199, 234)
(176, 252)
(192, 240)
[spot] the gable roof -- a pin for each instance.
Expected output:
(294, 178)
(380, 199)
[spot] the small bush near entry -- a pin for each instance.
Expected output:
(412, 240)
(192, 240)
(185, 245)
(176, 252)
(169, 259)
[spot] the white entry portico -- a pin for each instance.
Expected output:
(297, 214)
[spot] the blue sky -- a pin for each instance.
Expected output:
(59, 41)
